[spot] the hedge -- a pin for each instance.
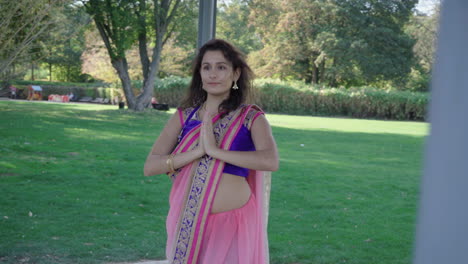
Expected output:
(294, 98)
(279, 97)
(354, 102)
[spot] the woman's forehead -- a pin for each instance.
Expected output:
(214, 56)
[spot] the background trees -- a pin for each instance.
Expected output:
(386, 44)
(64, 45)
(21, 23)
(335, 42)
(121, 24)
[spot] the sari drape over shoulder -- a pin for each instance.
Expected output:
(194, 188)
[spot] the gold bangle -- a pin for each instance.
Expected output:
(170, 163)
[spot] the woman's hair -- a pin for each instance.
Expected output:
(197, 96)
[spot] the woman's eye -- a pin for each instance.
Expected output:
(205, 68)
(221, 67)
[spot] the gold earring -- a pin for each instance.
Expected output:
(235, 87)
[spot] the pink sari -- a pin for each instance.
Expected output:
(192, 230)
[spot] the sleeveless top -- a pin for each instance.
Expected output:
(242, 142)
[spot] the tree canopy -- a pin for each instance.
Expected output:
(336, 42)
(123, 24)
(22, 22)
(325, 42)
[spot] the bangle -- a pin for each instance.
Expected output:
(170, 163)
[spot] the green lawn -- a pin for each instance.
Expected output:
(72, 188)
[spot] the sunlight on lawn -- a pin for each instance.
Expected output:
(349, 125)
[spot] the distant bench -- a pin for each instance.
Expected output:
(98, 100)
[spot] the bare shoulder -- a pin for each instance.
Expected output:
(260, 123)
(174, 124)
(262, 135)
(167, 139)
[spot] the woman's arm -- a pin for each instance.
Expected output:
(264, 158)
(163, 146)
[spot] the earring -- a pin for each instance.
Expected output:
(235, 87)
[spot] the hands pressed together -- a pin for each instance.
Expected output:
(207, 144)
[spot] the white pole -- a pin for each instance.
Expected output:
(206, 21)
(442, 230)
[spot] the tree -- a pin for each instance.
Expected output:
(375, 38)
(65, 43)
(21, 23)
(233, 25)
(121, 24)
(336, 42)
(423, 28)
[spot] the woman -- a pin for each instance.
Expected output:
(215, 149)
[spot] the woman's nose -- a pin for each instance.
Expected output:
(212, 74)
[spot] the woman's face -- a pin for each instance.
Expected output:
(217, 73)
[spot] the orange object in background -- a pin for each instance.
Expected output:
(34, 92)
(59, 98)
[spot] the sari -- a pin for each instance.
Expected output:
(194, 188)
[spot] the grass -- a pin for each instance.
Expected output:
(73, 191)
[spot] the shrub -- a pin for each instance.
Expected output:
(293, 97)
(171, 90)
(301, 99)
(353, 102)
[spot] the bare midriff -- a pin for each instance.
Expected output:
(233, 192)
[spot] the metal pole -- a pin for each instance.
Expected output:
(206, 21)
(442, 230)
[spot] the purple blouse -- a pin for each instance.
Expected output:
(242, 142)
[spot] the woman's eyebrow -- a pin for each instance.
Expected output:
(219, 62)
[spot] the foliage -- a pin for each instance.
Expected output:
(21, 24)
(95, 60)
(232, 23)
(65, 44)
(73, 189)
(122, 24)
(335, 42)
(171, 90)
(423, 28)
(176, 59)
(357, 103)
(300, 98)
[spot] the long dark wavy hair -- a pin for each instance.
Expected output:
(196, 96)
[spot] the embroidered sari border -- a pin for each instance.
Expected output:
(217, 172)
(204, 211)
(202, 190)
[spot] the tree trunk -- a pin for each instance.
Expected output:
(32, 71)
(332, 80)
(144, 99)
(322, 72)
(113, 36)
(315, 73)
(50, 72)
(68, 73)
(121, 66)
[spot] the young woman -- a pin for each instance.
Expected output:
(217, 149)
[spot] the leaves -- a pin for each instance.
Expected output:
(334, 42)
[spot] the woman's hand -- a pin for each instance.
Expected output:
(207, 139)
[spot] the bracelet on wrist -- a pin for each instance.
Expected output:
(170, 163)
